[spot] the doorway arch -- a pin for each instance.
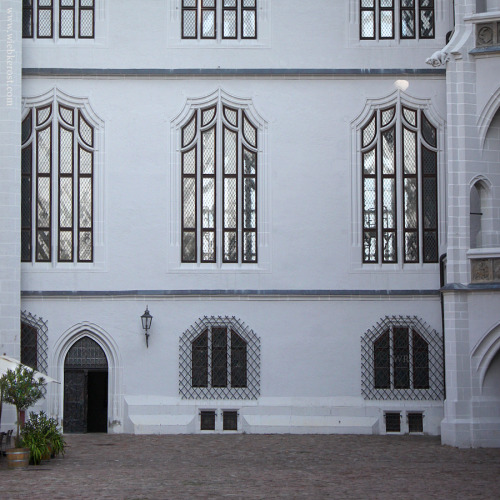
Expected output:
(85, 387)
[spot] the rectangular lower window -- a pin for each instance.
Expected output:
(393, 422)
(207, 420)
(415, 422)
(230, 420)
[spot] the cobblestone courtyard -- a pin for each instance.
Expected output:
(98, 466)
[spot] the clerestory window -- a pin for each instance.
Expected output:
(219, 19)
(397, 19)
(58, 18)
(57, 172)
(399, 186)
(219, 164)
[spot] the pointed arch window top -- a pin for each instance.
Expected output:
(86, 354)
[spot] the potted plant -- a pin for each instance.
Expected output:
(21, 389)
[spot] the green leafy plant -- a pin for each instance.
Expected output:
(21, 389)
(42, 436)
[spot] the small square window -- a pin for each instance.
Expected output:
(393, 422)
(207, 420)
(415, 422)
(230, 421)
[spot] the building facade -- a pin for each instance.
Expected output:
(302, 195)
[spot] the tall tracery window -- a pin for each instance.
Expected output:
(219, 359)
(399, 186)
(227, 19)
(403, 19)
(219, 186)
(69, 18)
(57, 184)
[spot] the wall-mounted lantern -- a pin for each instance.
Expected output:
(146, 319)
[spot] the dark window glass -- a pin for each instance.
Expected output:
(393, 422)
(29, 345)
(199, 358)
(382, 365)
(229, 420)
(27, 18)
(219, 357)
(207, 420)
(415, 422)
(420, 362)
(238, 361)
(401, 358)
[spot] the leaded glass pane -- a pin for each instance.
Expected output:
(219, 357)
(189, 24)
(189, 3)
(229, 24)
(44, 150)
(381, 362)
(208, 3)
(28, 21)
(386, 24)
(249, 3)
(207, 115)
(199, 361)
(43, 202)
(386, 3)
(387, 116)
(189, 203)
(388, 152)
(389, 201)
(426, 23)
(85, 161)
(238, 361)
(249, 203)
(189, 162)
(420, 362)
(410, 116)
(430, 246)
(208, 152)
(370, 246)
(65, 151)
(369, 163)
(86, 131)
(231, 116)
(429, 161)
(367, 3)
(408, 3)
(85, 201)
(87, 23)
(411, 247)
(45, 23)
(45, 3)
(230, 246)
(29, 345)
(401, 358)
(26, 158)
(408, 24)
(189, 131)
(66, 114)
(369, 203)
(26, 201)
(87, 3)
(67, 3)
(367, 24)
(85, 246)
(67, 27)
(65, 246)
(230, 152)
(410, 200)
(188, 246)
(25, 245)
(229, 3)
(369, 132)
(86, 353)
(66, 202)
(230, 203)
(430, 202)
(249, 162)
(43, 246)
(428, 131)
(409, 151)
(249, 247)
(208, 246)
(26, 128)
(208, 24)
(249, 25)
(43, 114)
(208, 214)
(249, 132)
(390, 246)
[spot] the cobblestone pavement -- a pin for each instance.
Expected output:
(104, 466)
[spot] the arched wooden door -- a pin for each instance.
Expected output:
(85, 388)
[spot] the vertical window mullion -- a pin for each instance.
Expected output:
(248, 19)
(27, 18)
(407, 19)
(45, 19)
(66, 195)
(386, 19)
(86, 19)
(208, 19)
(367, 20)
(66, 18)
(229, 19)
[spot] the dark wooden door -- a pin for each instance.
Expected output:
(75, 401)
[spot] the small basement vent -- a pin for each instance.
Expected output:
(415, 422)
(207, 420)
(230, 420)
(393, 422)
